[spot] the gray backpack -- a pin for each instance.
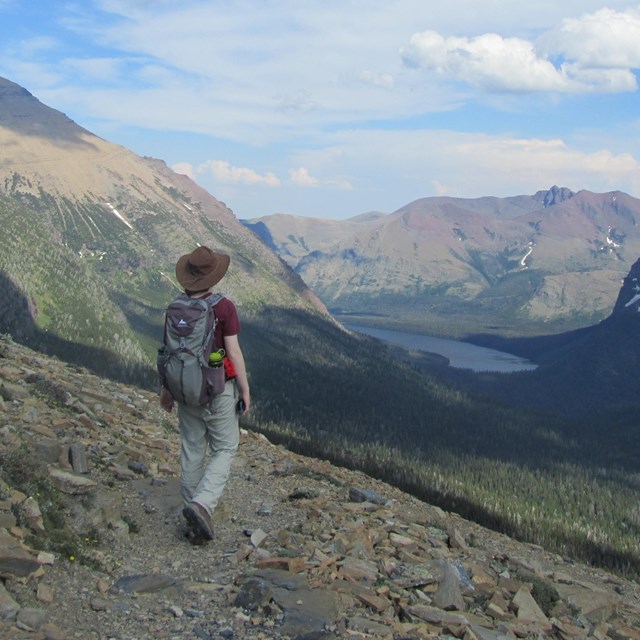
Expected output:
(183, 359)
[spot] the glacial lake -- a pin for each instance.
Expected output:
(461, 355)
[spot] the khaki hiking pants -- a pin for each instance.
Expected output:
(215, 427)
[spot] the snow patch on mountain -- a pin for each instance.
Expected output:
(117, 214)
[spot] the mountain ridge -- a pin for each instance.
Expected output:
(114, 224)
(586, 371)
(547, 262)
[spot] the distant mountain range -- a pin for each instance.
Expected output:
(544, 263)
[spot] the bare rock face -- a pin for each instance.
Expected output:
(303, 549)
(555, 195)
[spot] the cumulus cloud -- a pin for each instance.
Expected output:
(437, 162)
(322, 98)
(604, 39)
(184, 168)
(489, 61)
(302, 178)
(596, 52)
(531, 157)
(223, 172)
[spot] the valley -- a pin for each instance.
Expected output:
(460, 355)
(548, 456)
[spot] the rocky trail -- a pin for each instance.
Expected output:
(96, 549)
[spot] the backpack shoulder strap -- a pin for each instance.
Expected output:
(211, 302)
(214, 298)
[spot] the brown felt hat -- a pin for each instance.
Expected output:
(201, 269)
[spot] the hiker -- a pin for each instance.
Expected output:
(212, 425)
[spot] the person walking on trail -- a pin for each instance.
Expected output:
(213, 425)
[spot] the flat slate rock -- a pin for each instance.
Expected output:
(145, 583)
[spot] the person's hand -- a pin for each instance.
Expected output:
(245, 403)
(166, 399)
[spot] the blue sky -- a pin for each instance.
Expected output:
(338, 107)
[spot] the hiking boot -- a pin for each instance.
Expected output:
(199, 520)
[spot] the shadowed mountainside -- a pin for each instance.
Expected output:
(592, 369)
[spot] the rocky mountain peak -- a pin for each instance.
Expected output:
(24, 114)
(555, 195)
(10, 89)
(550, 262)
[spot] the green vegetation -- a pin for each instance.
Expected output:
(27, 473)
(569, 485)
(439, 311)
(52, 299)
(131, 523)
(76, 283)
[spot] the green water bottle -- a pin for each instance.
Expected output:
(216, 358)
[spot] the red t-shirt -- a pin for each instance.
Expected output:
(227, 325)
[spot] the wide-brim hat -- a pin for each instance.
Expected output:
(201, 269)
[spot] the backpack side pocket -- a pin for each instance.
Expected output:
(213, 383)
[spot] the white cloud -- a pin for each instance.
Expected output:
(317, 95)
(265, 70)
(184, 168)
(536, 158)
(488, 61)
(440, 189)
(302, 178)
(601, 80)
(397, 166)
(605, 39)
(223, 172)
(388, 169)
(596, 52)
